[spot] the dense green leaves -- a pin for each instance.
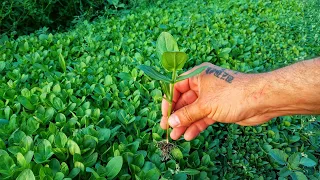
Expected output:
(70, 125)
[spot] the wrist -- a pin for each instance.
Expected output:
(280, 93)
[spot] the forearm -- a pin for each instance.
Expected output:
(294, 89)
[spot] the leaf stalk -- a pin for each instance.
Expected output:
(170, 99)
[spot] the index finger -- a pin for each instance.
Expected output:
(179, 88)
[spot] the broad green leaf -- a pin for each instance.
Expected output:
(43, 152)
(153, 74)
(7, 164)
(224, 53)
(58, 104)
(180, 176)
(165, 43)
(59, 176)
(28, 156)
(48, 114)
(56, 89)
(21, 160)
(26, 174)
(26, 103)
(177, 154)
(108, 80)
(173, 61)
(73, 147)
(27, 143)
(103, 135)
(285, 171)
(64, 168)
(193, 73)
(294, 139)
(95, 174)
(62, 62)
(190, 171)
(307, 162)
(54, 164)
(279, 156)
(138, 160)
(90, 160)
(74, 172)
(2, 65)
(114, 166)
(298, 176)
(124, 76)
(60, 140)
(153, 174)
(294, 160)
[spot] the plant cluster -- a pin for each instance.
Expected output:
(75, 105)
(20, 17)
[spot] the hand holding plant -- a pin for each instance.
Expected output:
(172, 60)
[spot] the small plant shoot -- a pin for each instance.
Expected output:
(172, 60)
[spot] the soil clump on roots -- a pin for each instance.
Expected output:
(165, 148)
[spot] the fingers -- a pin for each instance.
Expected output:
(186, 98)
(179, 88)
(177, 132)
(195, 129)
(187, 115)
(192, 131)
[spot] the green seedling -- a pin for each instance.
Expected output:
(172, 60)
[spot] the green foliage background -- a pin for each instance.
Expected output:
(20, 17)
(73, 104)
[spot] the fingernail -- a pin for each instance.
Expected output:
(174, 121)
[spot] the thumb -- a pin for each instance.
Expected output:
(187, 115)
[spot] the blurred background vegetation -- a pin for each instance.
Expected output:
(21, 17)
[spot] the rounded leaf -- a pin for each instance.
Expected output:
(165, 43)
(26, 174)
(114, 166)
(173, 60)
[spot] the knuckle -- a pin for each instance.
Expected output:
(186, 115)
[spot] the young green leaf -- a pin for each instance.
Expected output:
(172, 61)
(26, 103)
(149, 71)
(307, 162)
(193, 73)
(165, 88)
(26, 174)
(165, 43)
(43, 152)
(294, 160)
(62, 63)
(114, 166)
(21, 160)
(279, 156)
(298, 176)
(190, 171)
(73, 147)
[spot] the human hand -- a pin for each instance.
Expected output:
(216, 95)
